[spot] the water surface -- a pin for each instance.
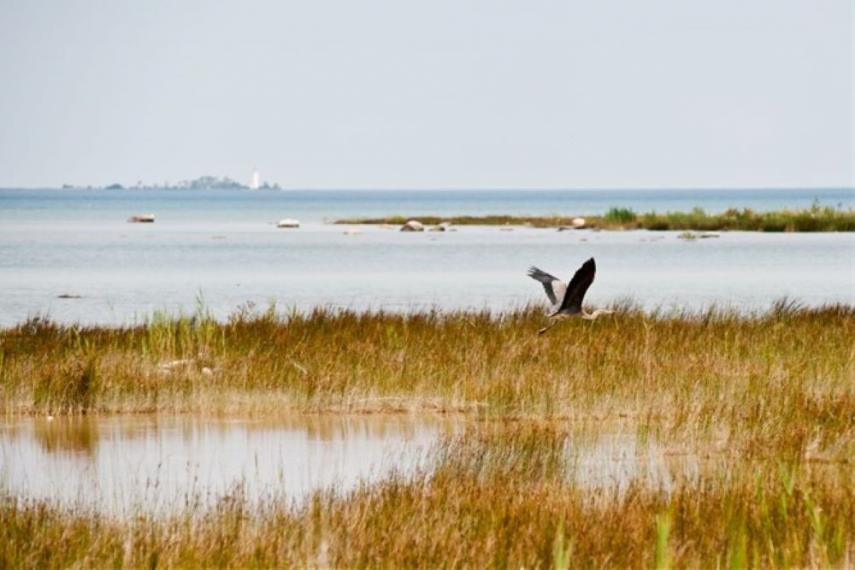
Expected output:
(223, 246)
(153, 463)
(161, 464)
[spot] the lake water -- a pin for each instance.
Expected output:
(223, 247)
(156, 464)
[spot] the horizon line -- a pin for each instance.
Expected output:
(455, 189)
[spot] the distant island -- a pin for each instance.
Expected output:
(200, 183)
(814, 219)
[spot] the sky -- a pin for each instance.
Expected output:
(431, 94)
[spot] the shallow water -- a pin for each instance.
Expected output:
(127, 464)
(223, 247)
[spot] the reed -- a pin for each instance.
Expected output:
(814, 219)
(498, 497)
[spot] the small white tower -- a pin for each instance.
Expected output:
(255, 182)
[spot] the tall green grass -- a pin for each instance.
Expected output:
(619, 216)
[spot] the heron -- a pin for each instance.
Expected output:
(567, 298)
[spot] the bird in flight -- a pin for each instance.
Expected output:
(567, 298)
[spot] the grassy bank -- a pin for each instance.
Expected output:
(761, 409)
(814, 219)
(785, 372)
(497, 498)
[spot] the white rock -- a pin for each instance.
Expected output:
(288, 223)
(578, 223)
(413, 226)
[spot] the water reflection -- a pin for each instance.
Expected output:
(71, 435)
(614, 461)
(122, 464)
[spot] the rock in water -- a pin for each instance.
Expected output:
(288, 223)
(142, 219)
(413, 226)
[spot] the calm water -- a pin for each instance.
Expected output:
(123, 464)
(224, 247)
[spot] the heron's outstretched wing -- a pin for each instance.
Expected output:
(577, 287)
(553, 286)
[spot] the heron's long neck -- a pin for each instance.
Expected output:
(596, 313)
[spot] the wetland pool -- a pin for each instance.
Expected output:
(126, 464)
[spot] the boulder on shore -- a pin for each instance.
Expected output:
(413, 226)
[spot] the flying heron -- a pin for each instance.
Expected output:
(567, 298)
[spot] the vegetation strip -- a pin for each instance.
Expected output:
(785, 366)
(814, 219)
(762, 405)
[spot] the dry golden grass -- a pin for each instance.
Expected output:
(788, 372)
(498, 497)
(766, 402)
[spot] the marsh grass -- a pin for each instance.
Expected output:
(67, 386)
(495, 498)
(768, 399)
(814, 219)
(787, 372)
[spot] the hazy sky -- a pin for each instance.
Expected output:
(432, 94)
